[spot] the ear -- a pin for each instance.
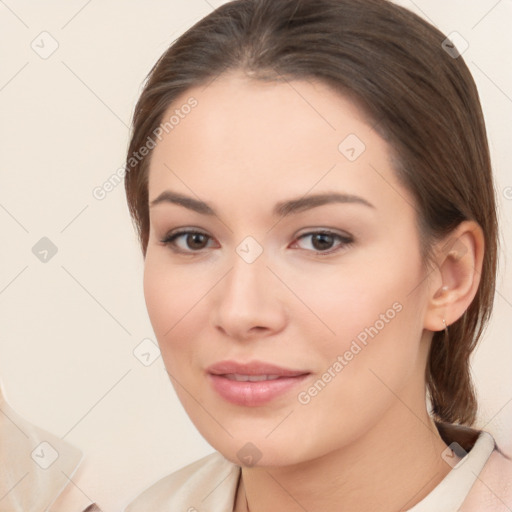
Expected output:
(456, 276)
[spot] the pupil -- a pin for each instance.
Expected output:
(324, 239)
(196, 240)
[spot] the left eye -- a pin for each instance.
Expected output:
(323, 241)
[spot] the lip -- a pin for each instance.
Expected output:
(250, 393)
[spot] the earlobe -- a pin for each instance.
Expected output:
(459, 258)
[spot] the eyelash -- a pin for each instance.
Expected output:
(346, 241)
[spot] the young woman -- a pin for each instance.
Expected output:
(312, 189)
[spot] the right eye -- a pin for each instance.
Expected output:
(186, 241)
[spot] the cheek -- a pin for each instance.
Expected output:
(366, 314)
(351, 300)
(375, 324)
(170, 296)
(158, 296)
(370, 362)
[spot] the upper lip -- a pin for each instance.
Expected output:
(252, 368)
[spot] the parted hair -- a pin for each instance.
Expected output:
(420, 97)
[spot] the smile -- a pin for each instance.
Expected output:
(253, 384)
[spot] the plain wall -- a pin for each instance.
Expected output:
(69, 326)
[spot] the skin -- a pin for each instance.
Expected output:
(365, 441)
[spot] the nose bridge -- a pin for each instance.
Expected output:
(245, 299)
(248, 265)
(248, 274)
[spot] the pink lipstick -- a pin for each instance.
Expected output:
(252, 384)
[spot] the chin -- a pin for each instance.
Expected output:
(250, 449)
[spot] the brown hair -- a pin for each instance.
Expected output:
(423, 100)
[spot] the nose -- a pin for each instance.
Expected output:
(248, 303)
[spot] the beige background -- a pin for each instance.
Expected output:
(69, 326)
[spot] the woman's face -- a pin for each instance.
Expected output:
(293, 323)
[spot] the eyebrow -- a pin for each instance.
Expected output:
(281, 209)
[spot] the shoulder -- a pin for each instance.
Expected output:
(492, 491)
(486, 468)
(211, 478)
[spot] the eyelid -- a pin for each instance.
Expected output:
(183, 231)
(327, 231)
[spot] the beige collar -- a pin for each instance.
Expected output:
(35, 466)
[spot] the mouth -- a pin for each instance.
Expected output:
(250, 378)
(253, 384)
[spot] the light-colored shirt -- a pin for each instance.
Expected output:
(36, 468)
(211, 483)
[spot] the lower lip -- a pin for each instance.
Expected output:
(252, 394)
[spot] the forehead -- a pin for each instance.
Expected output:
(262, 138)
(237, 110)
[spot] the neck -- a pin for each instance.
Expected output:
(391, 467)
